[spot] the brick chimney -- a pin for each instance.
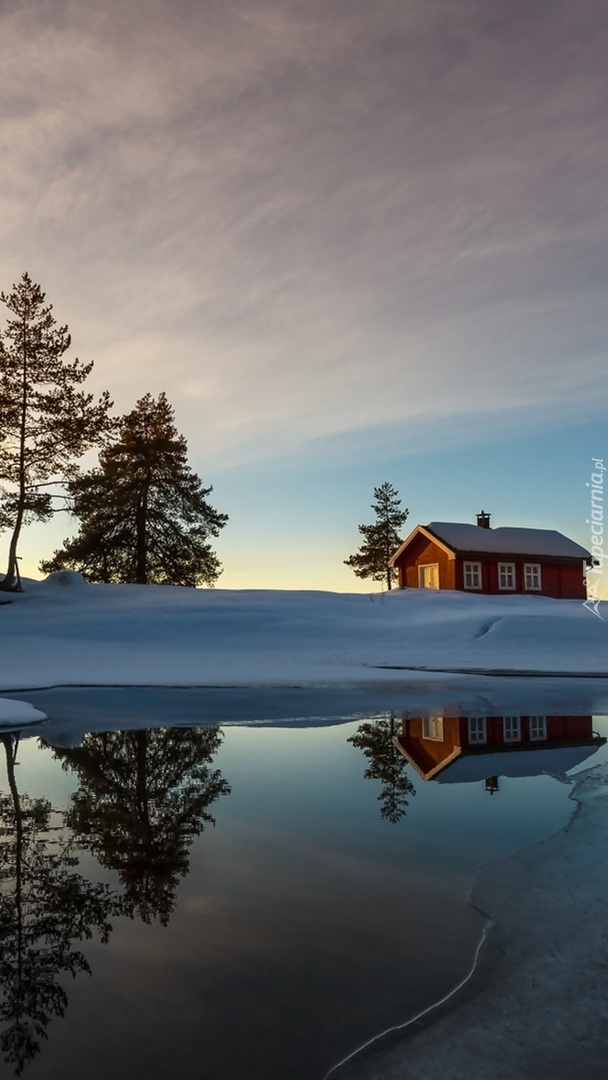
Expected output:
(483, 520)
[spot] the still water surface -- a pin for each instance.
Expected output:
(237, 902)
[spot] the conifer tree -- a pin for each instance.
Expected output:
(386, 764)
(47, 908)
(144, 515)
(143, 797)
(381, 539)
(46, 421)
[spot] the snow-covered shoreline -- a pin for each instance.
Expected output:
(19, 715)
(544, 957)
(62, 631)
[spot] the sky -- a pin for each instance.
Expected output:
(352, 242)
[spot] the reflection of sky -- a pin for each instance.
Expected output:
(37, 778)
(311, 781)
(306, 922)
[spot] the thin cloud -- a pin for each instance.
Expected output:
(303, 219)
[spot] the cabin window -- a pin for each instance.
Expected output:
(506, 575)
(428, 576)
(472, 575)
(538, 728)
(511, 728)
(432, 727)
(477, 729)
(532, 576)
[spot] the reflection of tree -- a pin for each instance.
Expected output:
(45, 906)
(386, 764)
(143, 797)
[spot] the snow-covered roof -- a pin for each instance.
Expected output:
(552, 760)
(506, 541)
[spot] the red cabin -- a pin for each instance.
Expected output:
(478, 559)
(466, 748)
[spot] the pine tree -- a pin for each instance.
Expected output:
(386, 764)
(142, 799)
(46, 422)
(47, 908)
(144, 513)
(381, 539)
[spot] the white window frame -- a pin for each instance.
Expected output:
(472, 570)
(537, 726)
(506, 570)
(432, 728)
(532, 577)
(511, 729)
(478, 734)
(427, 566)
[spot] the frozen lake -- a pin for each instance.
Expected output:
(255, 899)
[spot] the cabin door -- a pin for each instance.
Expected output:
(428, 576)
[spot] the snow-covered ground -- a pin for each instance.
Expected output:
(19, 714)
(62, 631)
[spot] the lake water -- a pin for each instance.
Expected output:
(249, 900)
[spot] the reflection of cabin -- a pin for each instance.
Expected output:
(465, 748)
(476, 558)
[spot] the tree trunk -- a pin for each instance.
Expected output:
(11, 570)
(12, 783)
(141, 554)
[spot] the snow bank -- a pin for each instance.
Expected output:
(61, 579)
(18, 714)
(64, 632)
